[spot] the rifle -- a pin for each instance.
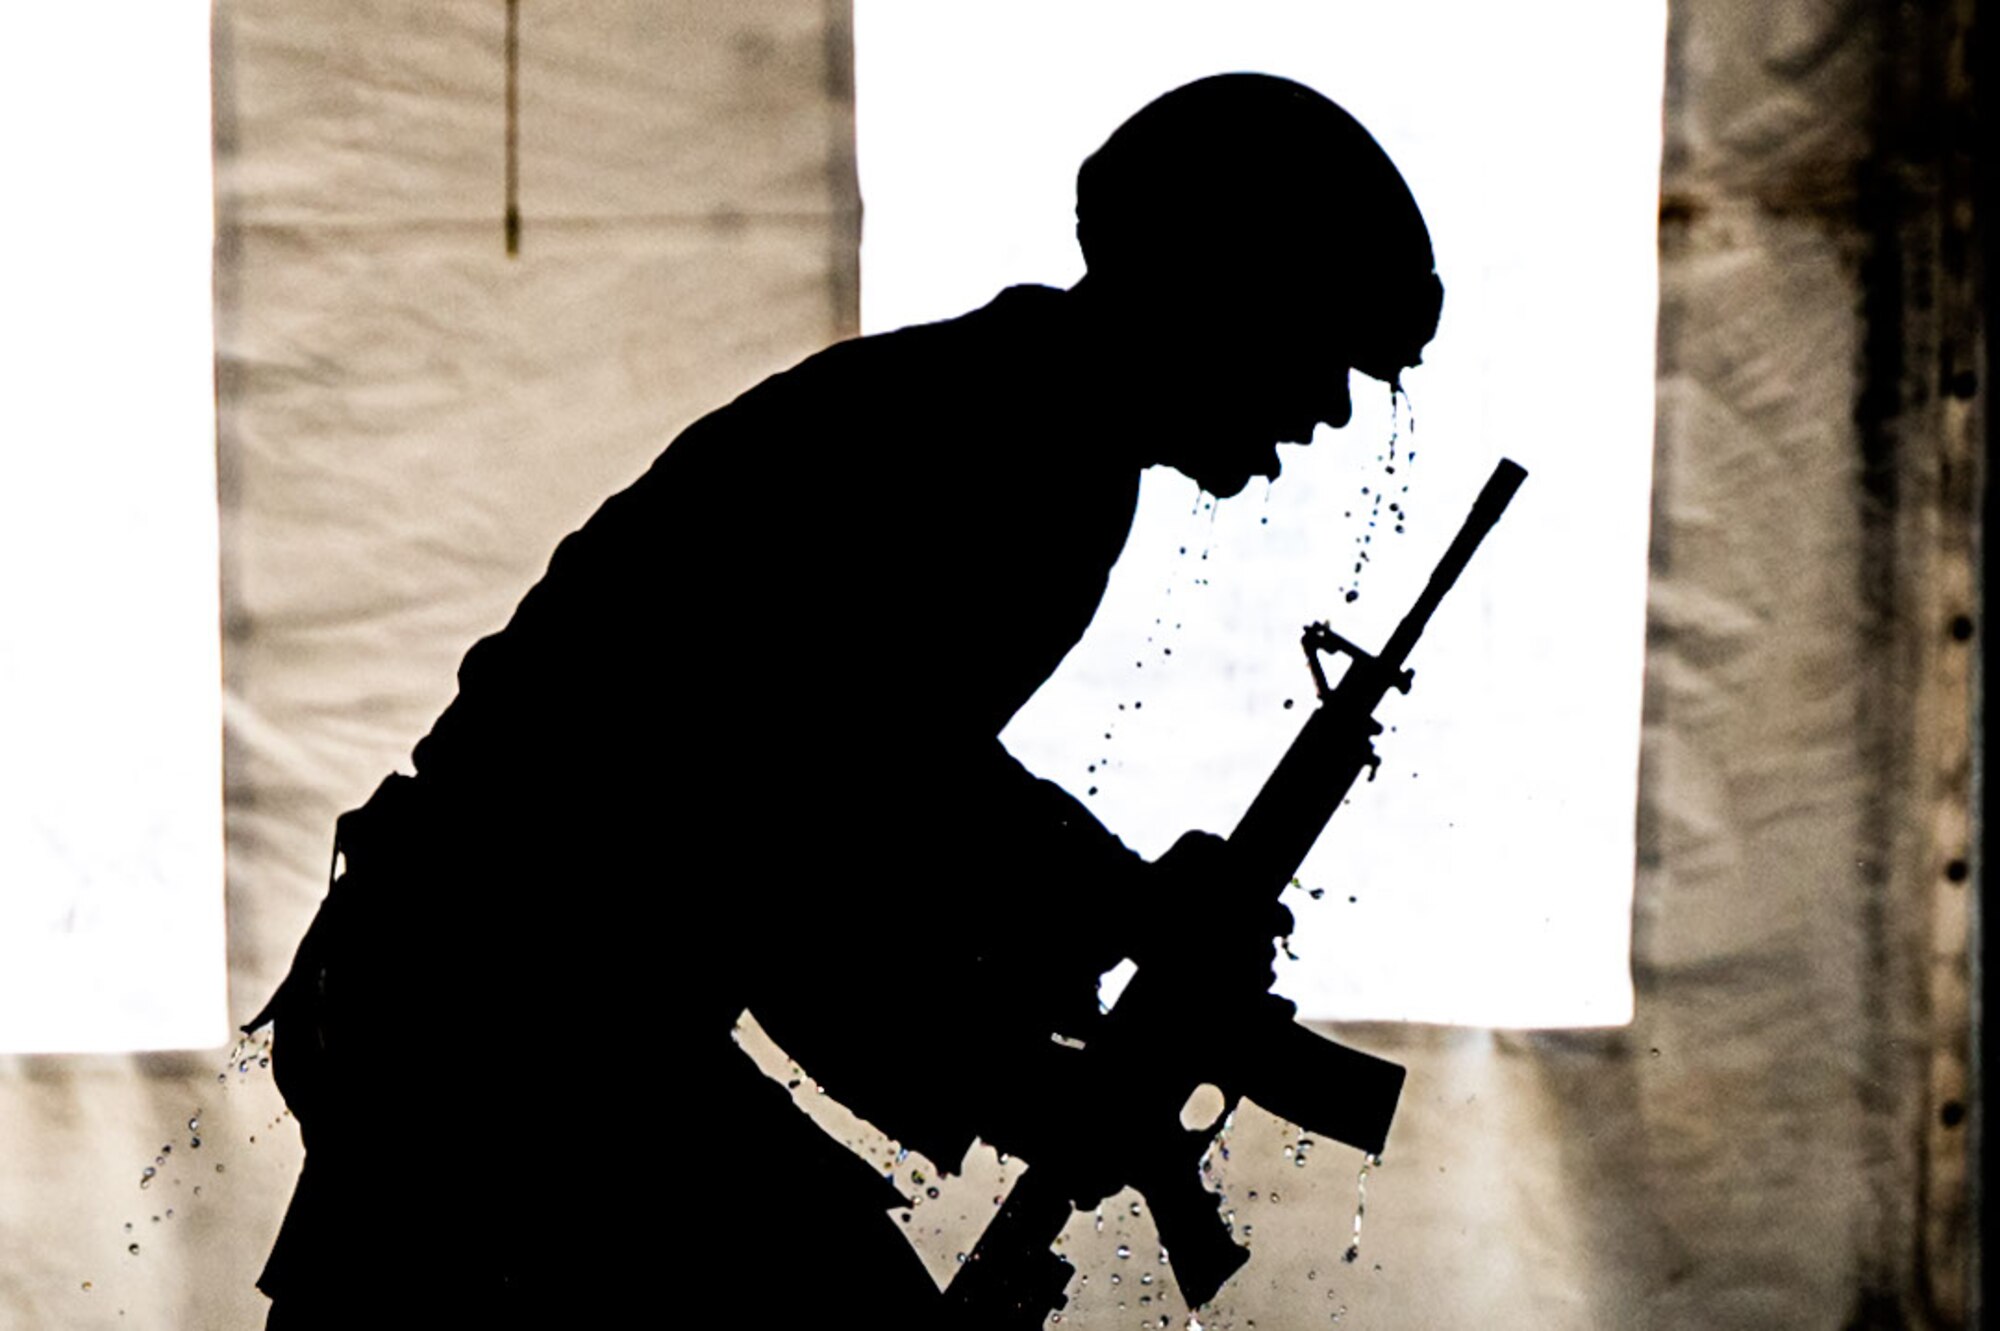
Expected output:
(1012, 1279)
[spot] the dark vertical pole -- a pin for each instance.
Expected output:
(1986, 258)
(513, 219)
(844, 187)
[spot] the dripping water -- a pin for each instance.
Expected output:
(1353, 1252)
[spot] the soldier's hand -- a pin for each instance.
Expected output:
(1066, 1115)
(1199, 919)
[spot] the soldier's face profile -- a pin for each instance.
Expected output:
(1244, 386)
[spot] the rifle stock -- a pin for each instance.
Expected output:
(1012, 1281)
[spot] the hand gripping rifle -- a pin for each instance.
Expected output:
(1167, 1035)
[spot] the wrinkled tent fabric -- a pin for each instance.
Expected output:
(410, 420)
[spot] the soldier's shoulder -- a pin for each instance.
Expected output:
(992, 340)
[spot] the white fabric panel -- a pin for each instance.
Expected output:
(110, 700)
(1486, 878)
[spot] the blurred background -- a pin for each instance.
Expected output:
(1674, 912)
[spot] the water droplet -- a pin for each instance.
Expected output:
(1288, 704)
(1146, 1279)
(1135, 1208)
(1360, 1206)
(1123, 1252)
(194, 1123)
(132, 1248)
(931, 1193)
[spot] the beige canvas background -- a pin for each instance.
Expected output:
(410, 419)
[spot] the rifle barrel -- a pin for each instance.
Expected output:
(1493, 499)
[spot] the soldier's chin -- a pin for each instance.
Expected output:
(1224, 485)
(1227, 480)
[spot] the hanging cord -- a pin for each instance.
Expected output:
(513, 216)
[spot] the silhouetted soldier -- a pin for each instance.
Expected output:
(737, 749)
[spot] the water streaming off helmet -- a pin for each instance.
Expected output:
(1485, 876)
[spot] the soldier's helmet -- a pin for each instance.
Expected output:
(1261, 198)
